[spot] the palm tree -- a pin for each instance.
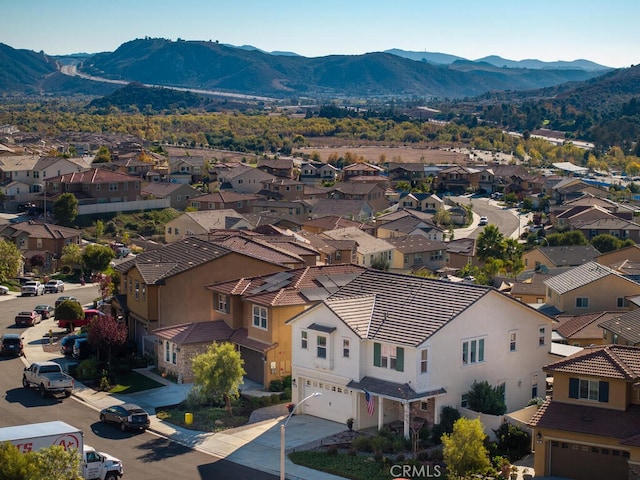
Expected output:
(490, 244)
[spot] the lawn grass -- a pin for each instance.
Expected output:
(354, 467)
(205, 419)
(133, 382)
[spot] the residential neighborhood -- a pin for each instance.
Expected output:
(339, 282)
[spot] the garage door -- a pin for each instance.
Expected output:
(334, 403)
(584, 462)
(253, 364)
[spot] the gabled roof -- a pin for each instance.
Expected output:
(354, 188)
(409, 224)
(18, 163)
(626, 326)
(331, 222)
(367, 244)
(163, 189)
(401, 309)
(173, 259)
(343, 208)
(609, 223)
(293, 287)
(255, 247)
(582, 326)
(363, 167)
(569, 255)
(224, 197)
(580, 276)
(393, 390)
(93, 176)
(604, 361)
(213, 219)
(40, 230)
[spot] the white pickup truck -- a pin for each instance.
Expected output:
(31, 438)
(32, 287)
(48, 377)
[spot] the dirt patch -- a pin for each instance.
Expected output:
(376, 154)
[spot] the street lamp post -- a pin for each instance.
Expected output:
(543, 238)
(282, 431)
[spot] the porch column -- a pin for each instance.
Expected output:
(407, 418)
(380, 413)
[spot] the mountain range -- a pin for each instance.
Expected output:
(210, 66)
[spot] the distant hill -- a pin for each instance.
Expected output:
(428, 57)
(149, 99)
(210, 66)
(213, 66)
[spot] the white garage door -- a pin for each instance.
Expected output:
(335, 403)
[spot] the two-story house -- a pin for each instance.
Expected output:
(44, 239)
(417, 252)
(358, 170)
(370, 250)
(97, 185)
(407, 222)
(559, 256)
(165, 287)
(241, 178)
(179, 194)
(256, 310)
(590, 288)
(221, 200)
(372, 193)
(590, 428)
(317, 172)
(186, 169)
(202, 222)
(408, 341)
(278, 167)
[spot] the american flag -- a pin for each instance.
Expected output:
(370, 402)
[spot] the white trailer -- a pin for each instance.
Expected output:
(33, 437)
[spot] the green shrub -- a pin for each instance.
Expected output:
(276, 386)
(448, 417)
(332, 450)
(422, 455)
(87, 369)
(380, 443)
(362, 444)
(513, 442)
(484, 398)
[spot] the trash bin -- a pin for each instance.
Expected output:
(188, 418)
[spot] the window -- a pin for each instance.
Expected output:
(144, 292)
(321, 343)
(137, 290)
(588, 389)
(473, 351)
(223, 303)
(541, 336)
(388, 356)
(113, 187)
(513, 344)
(346, 348)
(304, 339)
(582, 302)
(622, 302)
(169, 230)
(534, 385)
(167, 351)
(176, 231)
(464, 400)
(174, 354)
(259, 317)
(423, 361)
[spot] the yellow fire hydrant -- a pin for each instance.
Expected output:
(50, 336)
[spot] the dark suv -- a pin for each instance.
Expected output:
(127, 415)
(11, 344)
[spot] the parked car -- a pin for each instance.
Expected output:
(67, 342)
(32, 287)
(11, 344)
(54, 286)
(45, 311)
(61, 299)
(483, 221)
(4, 290)
(127, 415)
(81, 348)
(28, 318)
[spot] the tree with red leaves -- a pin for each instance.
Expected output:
(105, 333)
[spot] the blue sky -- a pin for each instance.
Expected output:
(598, 30)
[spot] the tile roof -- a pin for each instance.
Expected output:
(613, 223)
(224, 197)
(626, 326)
(605, 361)
(580, 276)
(402, 309)
(43, 230)
(292, 287)
(198, 332)
(93, 176)
(172, 259)
(367, 244)
(583, 326)
(604, 422)
(241, 337)
(331, 222)
(570, 255)
(416, 243)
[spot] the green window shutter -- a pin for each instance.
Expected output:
(400, 359)
(603, 392)
(377, 355)
(574, 386)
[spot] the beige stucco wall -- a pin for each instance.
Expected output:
(617, 392)
(602, 294)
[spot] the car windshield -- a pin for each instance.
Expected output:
(11, 341)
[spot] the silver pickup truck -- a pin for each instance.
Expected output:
(48, 377)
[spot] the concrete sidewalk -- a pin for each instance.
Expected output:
(256, 445)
